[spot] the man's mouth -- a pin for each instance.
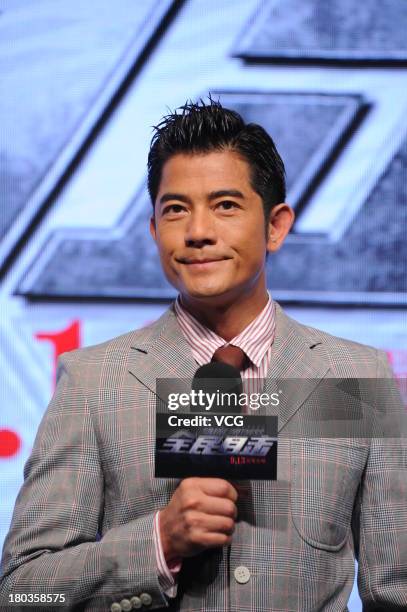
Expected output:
(204, 263)
(195, 262)
(200, 260)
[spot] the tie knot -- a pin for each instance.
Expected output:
(232, 355)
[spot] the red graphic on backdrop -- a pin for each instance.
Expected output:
(66, 340)
(10, 443)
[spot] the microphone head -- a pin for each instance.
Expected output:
(217, 369)
(219, 378)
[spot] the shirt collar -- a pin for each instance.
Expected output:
(254, 340)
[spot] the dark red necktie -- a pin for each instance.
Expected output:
(232, 355)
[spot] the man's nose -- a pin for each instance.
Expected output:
(200, 229)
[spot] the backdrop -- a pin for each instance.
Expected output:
(81, 86)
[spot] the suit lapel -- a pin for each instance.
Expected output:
(165, 354)
(293, 358)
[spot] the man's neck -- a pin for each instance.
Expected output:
(227, 320)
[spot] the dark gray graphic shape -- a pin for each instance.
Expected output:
(370, 257)
(122, 263)
(345, 31)
(75, 54)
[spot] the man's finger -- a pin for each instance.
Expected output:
(219, 506)
(217, 487)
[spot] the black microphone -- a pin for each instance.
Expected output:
(220, 381)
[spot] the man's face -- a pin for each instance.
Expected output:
(209, 227)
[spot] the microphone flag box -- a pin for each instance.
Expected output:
(193, 439)
(227, 446)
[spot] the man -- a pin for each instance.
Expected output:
(93, 523)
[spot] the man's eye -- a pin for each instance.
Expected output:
(173, 208)
(227, 204)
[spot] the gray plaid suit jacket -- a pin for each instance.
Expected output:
(83, 520)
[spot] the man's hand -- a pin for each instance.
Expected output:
(201, 514)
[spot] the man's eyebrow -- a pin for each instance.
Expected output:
(167, 197)
(233, 193)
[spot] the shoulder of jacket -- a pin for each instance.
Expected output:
(117, 346)
(344, 357)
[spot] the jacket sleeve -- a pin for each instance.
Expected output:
(53, 545)
(380, 526)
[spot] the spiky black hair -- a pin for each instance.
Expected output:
(196, 128)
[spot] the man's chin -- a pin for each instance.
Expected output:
(205, 294)
(199, 294)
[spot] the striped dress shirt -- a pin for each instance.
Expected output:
(256, 341)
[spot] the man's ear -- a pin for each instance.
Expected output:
(152, 226)
(281, 220)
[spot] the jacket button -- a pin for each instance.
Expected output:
(115, 607)
(136, 602)
(146, 599)
(125, 605)
(242, 574)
